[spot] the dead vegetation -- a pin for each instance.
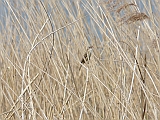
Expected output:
(43, 43)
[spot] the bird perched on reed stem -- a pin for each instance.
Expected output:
(86, 56)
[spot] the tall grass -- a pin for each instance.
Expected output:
(42, 44)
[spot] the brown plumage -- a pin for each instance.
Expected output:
(86, 56)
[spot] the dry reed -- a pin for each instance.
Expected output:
(42, 44)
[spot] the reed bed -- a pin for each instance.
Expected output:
(42, 44)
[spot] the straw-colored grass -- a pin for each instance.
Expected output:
(42, 44)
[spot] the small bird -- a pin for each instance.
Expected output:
(86, 56)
